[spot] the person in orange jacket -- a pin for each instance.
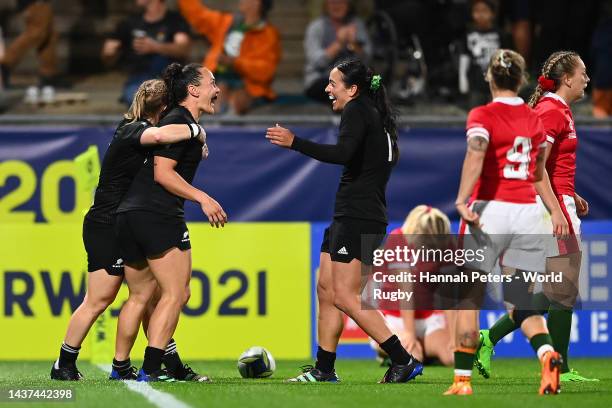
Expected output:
(244, 50)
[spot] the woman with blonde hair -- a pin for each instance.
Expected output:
(562, 82)
(504, 160)
(424, 333)
(124, 157)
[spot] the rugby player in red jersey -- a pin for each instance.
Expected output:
(424, 333)
(505, 157)
(562, 82)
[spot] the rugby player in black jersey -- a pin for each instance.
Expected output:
(136, 133)
(151, 224)
(367, 148)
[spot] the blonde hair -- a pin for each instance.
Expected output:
(558, 64)
(148, 101)
(430, 224)
(507, 70)
(424, 219)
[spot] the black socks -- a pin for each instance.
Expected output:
(152, 360)
(122, 367)
(396, 352)
(171, 358)
(325, 361)
(68, 355)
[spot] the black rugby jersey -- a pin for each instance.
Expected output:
(123, 159)
(144, 193)
(367, 153)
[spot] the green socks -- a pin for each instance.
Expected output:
(560, 326)
(502, 327)
(505, 325)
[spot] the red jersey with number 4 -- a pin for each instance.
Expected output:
(515, 135)
(559, 130)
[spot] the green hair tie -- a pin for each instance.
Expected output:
(375, 83)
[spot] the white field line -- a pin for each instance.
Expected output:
(158, 398)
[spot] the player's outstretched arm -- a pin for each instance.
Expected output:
(340, 153)
(171, 134)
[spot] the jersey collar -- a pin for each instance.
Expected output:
(555, 96)
(510, 100)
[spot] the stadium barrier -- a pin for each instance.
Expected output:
(254, 280)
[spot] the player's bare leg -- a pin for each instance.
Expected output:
(466, 340)
(142, 286)
(347, 298)
(330, 321)
(348, 284)
(329, 328)
(437, 345)
(172, 270)
(102, 289)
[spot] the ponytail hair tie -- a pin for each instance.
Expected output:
(375, 82)
(546, 84)
(502, 62)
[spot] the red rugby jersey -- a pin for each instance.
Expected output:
(515, 134)
(559, 130)
(421, 292)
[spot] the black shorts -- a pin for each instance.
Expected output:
(352, 238)
(102, 248)
(145, 234)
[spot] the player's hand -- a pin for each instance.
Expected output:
(412, 345)
(216, 216)
(144, 45)
(582, 206)
(280, 136)
(560, 225)
(469, 216)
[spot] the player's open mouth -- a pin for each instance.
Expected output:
(332, 98)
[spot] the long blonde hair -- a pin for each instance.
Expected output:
(148, 101)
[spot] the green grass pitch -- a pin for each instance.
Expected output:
(514, 384)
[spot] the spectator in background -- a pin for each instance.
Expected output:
(144, 44)
(563, 25)
(39, 34)
(244, 51)
(602, 59)
(519, 16)
(336, 35)
(482, 39)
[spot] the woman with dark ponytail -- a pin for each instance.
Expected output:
(151, 222)
(367, 148)
(135, 135)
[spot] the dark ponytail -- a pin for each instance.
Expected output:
(177, 78)
(355, 72)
